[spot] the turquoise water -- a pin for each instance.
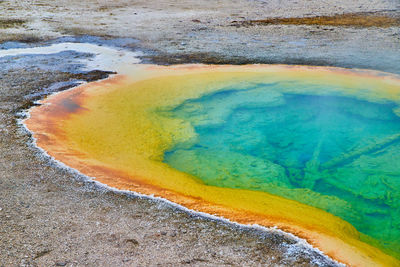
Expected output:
(331, 151)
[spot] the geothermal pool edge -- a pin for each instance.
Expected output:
(107, 81)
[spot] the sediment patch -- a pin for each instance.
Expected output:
(11, 23)
(360, 20)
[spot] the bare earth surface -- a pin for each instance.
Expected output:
(51, 217)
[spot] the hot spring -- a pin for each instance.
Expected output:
(313, 151)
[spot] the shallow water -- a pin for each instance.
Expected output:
(330, 151)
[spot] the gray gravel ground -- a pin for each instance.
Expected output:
(198, 31)
(50, 217)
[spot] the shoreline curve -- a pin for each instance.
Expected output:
(44, 124)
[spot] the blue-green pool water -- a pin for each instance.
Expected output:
(330, 151)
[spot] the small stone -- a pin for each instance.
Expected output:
(61, 263)
(132, 241)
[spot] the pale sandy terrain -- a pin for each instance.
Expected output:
(50, 217)
(192, 30)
